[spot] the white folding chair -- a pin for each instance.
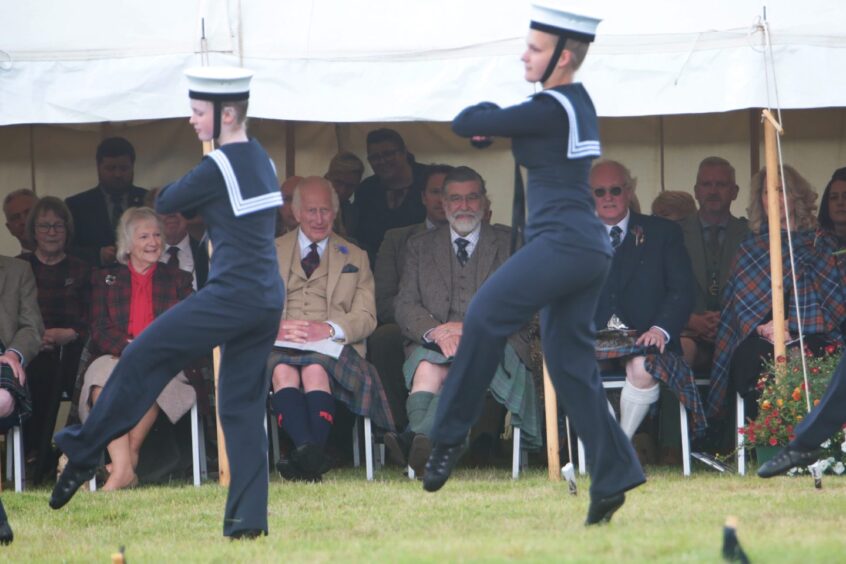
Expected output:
(368, 447)
(616, 383)
(15, 458)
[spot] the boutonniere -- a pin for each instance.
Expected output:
(68, 282)
(110, 279)
(342, 249)
(637, 233)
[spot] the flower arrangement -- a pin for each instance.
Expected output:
(783, 403)
(639, 237)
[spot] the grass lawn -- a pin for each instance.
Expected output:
(478, 516)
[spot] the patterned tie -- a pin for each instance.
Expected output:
(462, 255)
(311, 261)
(173, 260)
(615, 236)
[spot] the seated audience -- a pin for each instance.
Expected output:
(745, 332)
(711, 238)
(649, 290)
(329, 304)
(96, 212)
(21, 329)
(674, 205)
(286, 222)
(345, 172)
(64, 298)
(385, 346)
(126, 298)
(16, 207)
(832, 218)
(443, 269)
(391, 197)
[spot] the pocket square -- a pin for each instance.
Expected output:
(349, 268)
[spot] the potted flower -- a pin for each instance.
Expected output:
(783, 405)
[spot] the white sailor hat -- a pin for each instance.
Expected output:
(218, 84)
(549, 18)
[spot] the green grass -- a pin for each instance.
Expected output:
(478, 516)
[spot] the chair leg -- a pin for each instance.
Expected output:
(582, 461)
(274, 438)
(685, 440)
(368, 447)
(17, 438)
(515, 454)
(10, 454)
(355, 445)
(741, 440)
(195, 444)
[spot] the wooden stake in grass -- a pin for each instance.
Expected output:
(550, 401)
(771, 128)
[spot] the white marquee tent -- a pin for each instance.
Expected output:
(674, 80)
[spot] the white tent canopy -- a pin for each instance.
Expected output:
(383, 60)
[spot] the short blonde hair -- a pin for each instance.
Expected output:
(673, 204)
(126, 229)
(798, 189)
(579, 51)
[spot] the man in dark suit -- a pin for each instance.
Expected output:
(16, 206)
(345, 172)
(711, 238)
(385, 345)
(649, 287)
(181, 249)
(96, 211)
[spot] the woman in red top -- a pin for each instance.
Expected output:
(126, 299)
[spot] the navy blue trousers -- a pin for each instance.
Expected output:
(564, 284)
(826, 418)
(187, 331)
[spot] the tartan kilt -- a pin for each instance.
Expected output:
(671, 369)
(353, 381)
(8, 382)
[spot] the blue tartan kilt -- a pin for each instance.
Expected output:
(23, 402)
(670, 368)
(354, 381)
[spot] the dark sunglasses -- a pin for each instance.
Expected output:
(614, 191)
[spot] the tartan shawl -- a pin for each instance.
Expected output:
(747, 299)
(670, 368)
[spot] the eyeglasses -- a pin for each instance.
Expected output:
(46, 227)
(614, 191)
(383, 156)
(469, 198)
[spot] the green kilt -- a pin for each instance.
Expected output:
(511, 386)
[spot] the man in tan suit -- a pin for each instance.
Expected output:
(329, 303)
(711, 238)
(443, 270)
(385, 347)
(21, 329)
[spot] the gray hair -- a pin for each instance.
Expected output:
(17, 194)
(716, 162)
(296, 200)
(629, 180)
(126, 229)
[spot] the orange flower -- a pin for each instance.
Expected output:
(816, 402)
(780, 402)
(797, 395)
(766, 405)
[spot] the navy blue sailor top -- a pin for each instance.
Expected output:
(235, 190)
(555, 135)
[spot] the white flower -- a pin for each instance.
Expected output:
(826, 444)
(843, 446)
(825, 464)
(839, 468)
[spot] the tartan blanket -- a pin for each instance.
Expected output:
(8, 382)
(747, 299)
(353, 380)
(511, 386)
(670, 368)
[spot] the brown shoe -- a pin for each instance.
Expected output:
(421, 448)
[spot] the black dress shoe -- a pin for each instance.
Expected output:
(787, 458)
(71, 479)
(421, 449)
(311, 461)
(247, 534)
(440, 465)
(398, 445)
(601, 510)
(6, 536)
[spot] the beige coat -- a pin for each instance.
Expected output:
(21, 326)
(350, 287)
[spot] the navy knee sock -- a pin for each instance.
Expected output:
(321, 415)
(289, 405)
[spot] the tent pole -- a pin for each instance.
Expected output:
(290, 148)
(550, 401)
(754, 141)
(32, 158)
(773, 215)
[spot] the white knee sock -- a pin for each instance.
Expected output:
(634, 405)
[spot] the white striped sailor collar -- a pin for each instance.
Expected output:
(242, 206)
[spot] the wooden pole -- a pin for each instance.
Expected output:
(550, 401)
(222, 459)
(771, 129)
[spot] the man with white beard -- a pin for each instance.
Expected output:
(444, 268)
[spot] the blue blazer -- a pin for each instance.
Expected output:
(651, 280)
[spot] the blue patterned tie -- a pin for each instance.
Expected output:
(462, 255)
(615, 236)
